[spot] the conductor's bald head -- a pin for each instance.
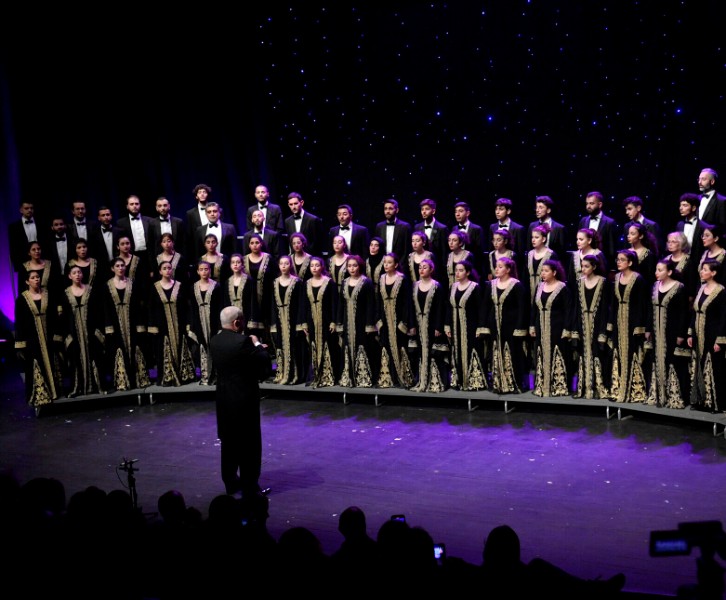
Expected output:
(232, 318)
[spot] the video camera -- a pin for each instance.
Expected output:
(709, 536)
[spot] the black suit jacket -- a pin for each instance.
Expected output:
(312, 228)
(270, 238)
(401, 246)
(273, 219)
(227, 246)
(557, 239)
(97, 245)
(697, 248)
(193, 220)
(178, 231)
(359, 239)
(438, 240)
(520, 239)
(124, 224)
(716, 211)
(608, 231)
(50, 251)
(18, 241)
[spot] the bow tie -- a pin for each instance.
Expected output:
(106, 229)
(60, 239)
(705, 195)
(164, 220)
(595, 217)
(297, 216)
(391, 223)
(462, 226)
(427, 226)
(504, 226)
(263, 205)
(214, 224)
(29, 221)
(82, 223)
(135, 218)
(691, 221)
(344, 228)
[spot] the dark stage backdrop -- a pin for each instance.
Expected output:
(356, 102)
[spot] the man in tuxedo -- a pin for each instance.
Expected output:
(271, 212)
(78, 227)
(712, 206)
(605, 226)
(195, 217)
(163, 223)
(395, 233)
(435, 230)
(557, 239)
(356, 236)
(138, 228)
(102, 239)
(503, 213)
(58, 246)
(226, 233)
(306, 223)
(690, 224)
(270, 237)
(634, 212)
(21, 233)
(475, 233)
(241, 362)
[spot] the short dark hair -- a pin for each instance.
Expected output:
(463, 205)
(546, 200)
(634, 200)
(692, 199)
(294, 195)
(202, 186)
(391, 201)
(506, 202)
(594, 194)
(427, 202)
(346, 207)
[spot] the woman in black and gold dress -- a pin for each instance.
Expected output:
(357, 324)
(394, 316)
(286, 326)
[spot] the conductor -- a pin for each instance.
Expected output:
(241, 361)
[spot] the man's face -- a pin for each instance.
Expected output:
(262, 194)
(79, 210)
(541, 210)
(686, 209)
(344, 216)
(427, 212)
(390, 211)
(212, 213)
(258, 219)
(133, 205)
(163, 207)
(295, 205)
(461, 214)
(202, 195)
(632, 211)
(592, 205)
(501, 213)
(58, 226)
(104, 216)
(705, 181)
(27, 210)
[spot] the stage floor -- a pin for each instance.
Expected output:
(582, 482)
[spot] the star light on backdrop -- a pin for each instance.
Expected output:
(358, 102)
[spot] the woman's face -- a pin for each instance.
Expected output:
(454, 243)
(498, 243)
(622, 262)
(166, 270)
(255, 246)
(425, 270)
(582, 241)
(316, 268)
(353, 268)
(33, 280)
(297, 245)
(119, 268)
(673, 244)
(34, 252)
(124, 245)
(167, 245)
(374, 248)
(661, 272)
(76, 275)
(417, 243)
(236, 264)
(707, 238)
(633, 236)
(389, 265)
(547, 274)
(706, 273)
(211, 245)
(338, 244)
(81, 251)
(538, 240)
(284, 265)
(501, 270)
(587, 268)
(203, 271)
(460, 273)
